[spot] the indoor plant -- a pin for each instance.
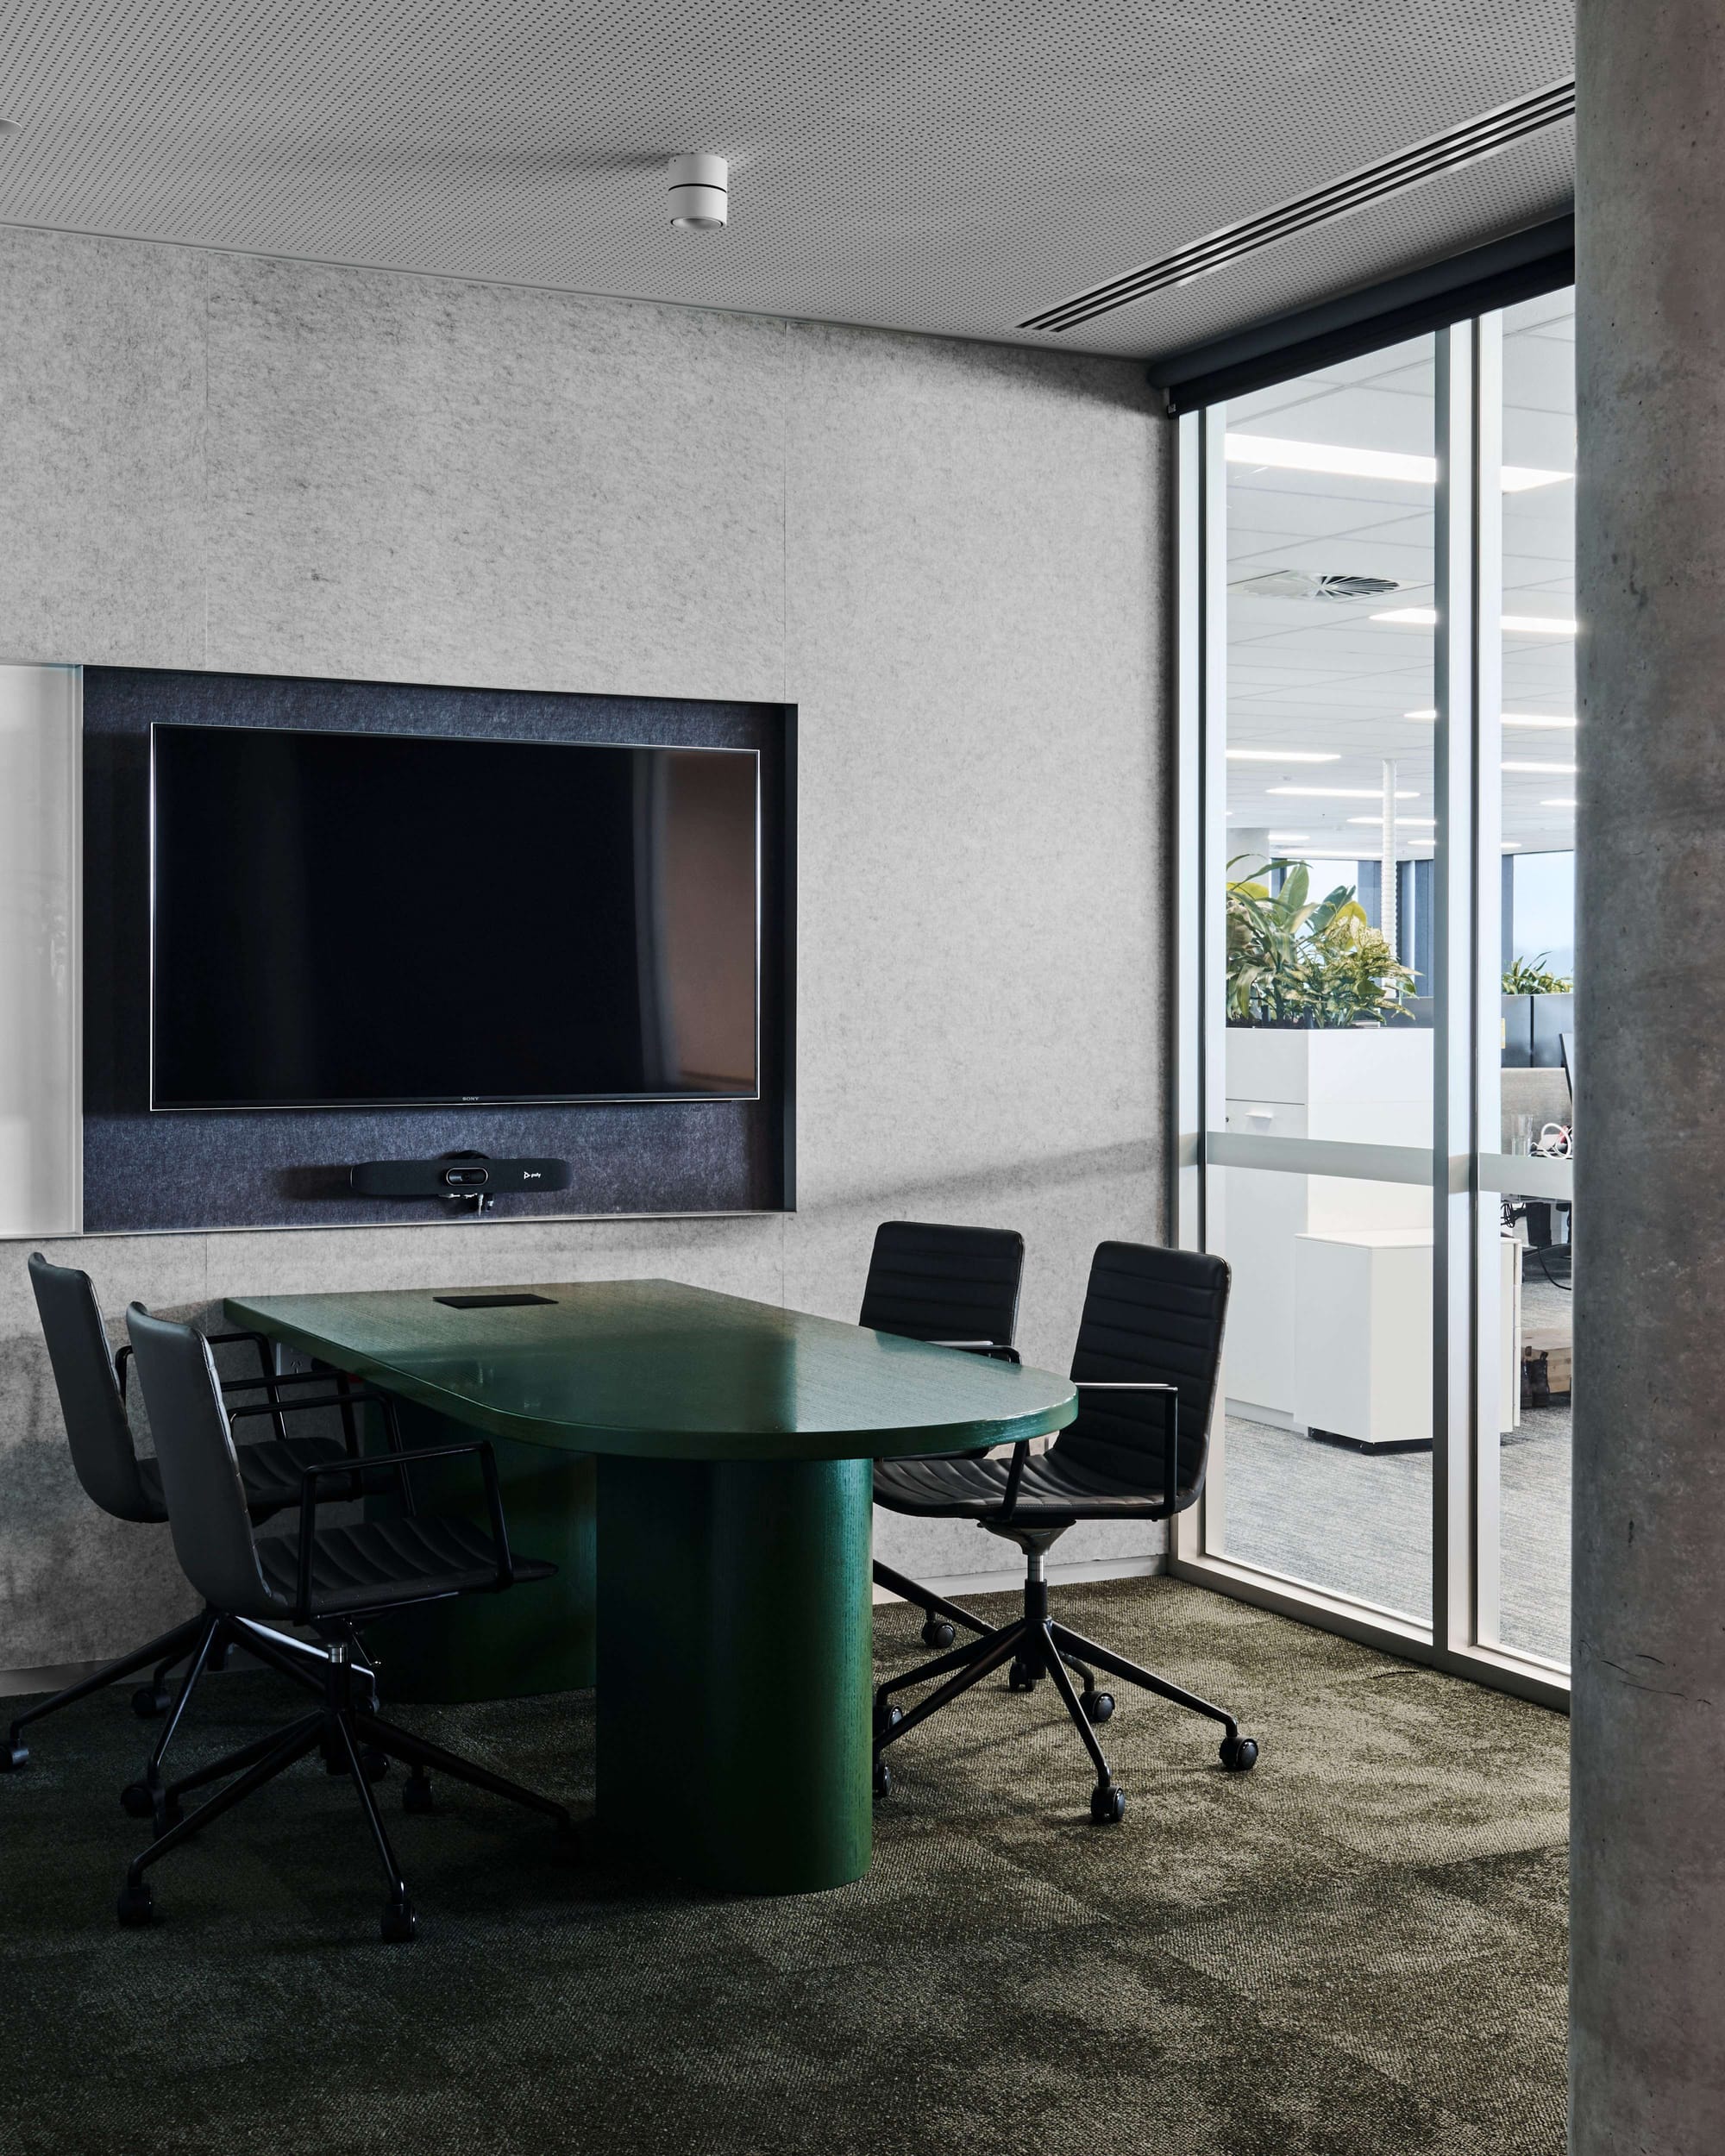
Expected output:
(1531, 977)
(1296, 962)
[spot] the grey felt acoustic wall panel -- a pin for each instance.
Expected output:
(290, 1168)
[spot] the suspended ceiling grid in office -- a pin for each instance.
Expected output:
(950, 166)
(1321, 675)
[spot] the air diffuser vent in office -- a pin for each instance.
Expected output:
(1465, 145)
(1313, 584)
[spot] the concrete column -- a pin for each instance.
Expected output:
(1647, 2051)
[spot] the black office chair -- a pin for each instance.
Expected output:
(1150, 1346)
(92, 1386)
(955, 1288)
(334, 1579)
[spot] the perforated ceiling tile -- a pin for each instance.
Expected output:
(951, 166)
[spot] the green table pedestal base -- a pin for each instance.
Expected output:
(734, 1669)
(534, 1638)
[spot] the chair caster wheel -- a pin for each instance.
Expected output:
(416, 1795)
(1022, 1676)
(398, 1924)
(886, 1719)
(13, 1755)
(159, 1807)
(1107, 1804)
(883, 1778)
(151, 1700)
(938, 1634)
(1099, 1707)
(1238, 1754)
(136, 1906)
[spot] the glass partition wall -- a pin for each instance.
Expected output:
(1376, 951)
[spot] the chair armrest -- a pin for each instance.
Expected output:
(1117, 1385)
(1009, 1496)
(269, 1378)
(360, 1395)
(993, 1347)
(1171, 1436)
(261, 1341)
(277, 1377)
(311, 1476)
(347, 1400)
(122, 1367)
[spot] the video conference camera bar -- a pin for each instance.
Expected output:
(471, 1182)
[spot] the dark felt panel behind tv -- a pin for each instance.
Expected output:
(289, 1168)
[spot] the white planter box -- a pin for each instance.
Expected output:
(1369, 1084)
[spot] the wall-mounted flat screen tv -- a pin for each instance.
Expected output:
(360, 920)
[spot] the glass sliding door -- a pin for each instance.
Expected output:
(1527, 1117)
(1376, 798)
(1321, 1176)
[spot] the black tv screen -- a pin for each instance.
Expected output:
(392, 920)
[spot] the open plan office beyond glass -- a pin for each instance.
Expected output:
(1378, 1053)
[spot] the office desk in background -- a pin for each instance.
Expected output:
(729, 1587)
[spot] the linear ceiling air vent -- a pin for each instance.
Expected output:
(1465, 145)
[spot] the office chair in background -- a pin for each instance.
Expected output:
(334, 1579)
(955, 1288)
(91, 1387)
(1146, 1368)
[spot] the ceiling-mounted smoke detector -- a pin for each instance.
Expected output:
(700, 188)
(1313, 584)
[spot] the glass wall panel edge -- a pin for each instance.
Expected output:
(1486, 1451)
(1453, 963)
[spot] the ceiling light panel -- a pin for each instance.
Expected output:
(1337, 460)
(1284, 755)
(527, 143)
(1535, 720)
(1512, 625)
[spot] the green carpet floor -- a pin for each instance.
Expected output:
(1359, 1947)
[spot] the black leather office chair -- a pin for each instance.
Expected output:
(1146, 1365)
(331, 1578)
(92, 1386)
(955, 1288)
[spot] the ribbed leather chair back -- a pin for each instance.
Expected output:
(206, 1500)
(103, 1452)
(928, 1281)
(1150, 1317)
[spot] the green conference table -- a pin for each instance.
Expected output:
(698, 1467)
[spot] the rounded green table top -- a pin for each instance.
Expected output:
(653, 1368)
